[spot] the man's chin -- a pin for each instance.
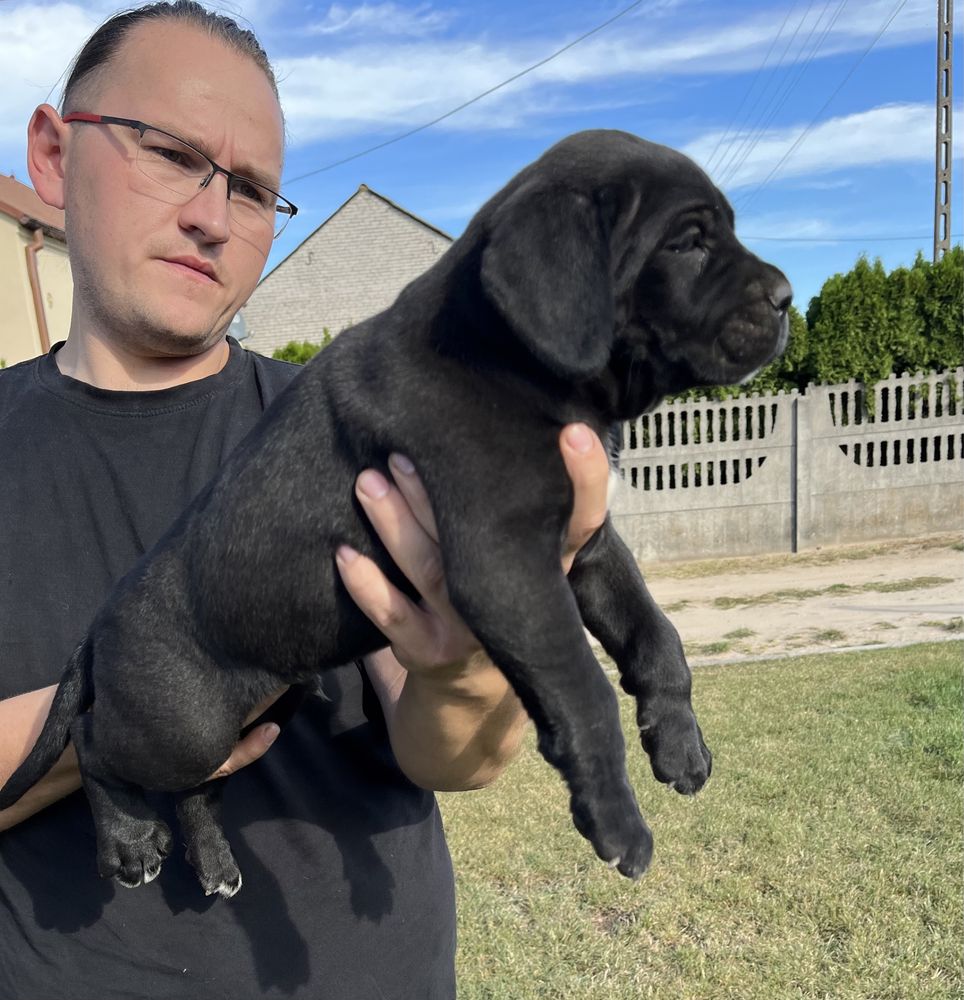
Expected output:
(174, 342)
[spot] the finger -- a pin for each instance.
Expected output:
(248, 750)
(264, 705)
(413, 489)
(400, 620)
(588, 467)
(412, 549)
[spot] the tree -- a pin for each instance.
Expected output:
(942, 308)
(866, 324)
(850, 328)
(300, 352)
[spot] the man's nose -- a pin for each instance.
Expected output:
(207, 211)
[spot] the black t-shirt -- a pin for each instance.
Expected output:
(348, 889)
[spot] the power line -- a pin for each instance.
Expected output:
(781, 98)
(841, 239)
(728, 153)
(749, 90)
(749, 198)
(462, 107)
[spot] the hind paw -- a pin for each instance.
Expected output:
(216, 869)
(134, 854)
(676, 750)
(616, 830)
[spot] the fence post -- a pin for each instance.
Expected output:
(794, 474)
(801, 469)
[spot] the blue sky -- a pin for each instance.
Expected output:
(734, 83)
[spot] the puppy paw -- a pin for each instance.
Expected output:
(132, 854)
(677, 753)
(618, 834)
(216, 869)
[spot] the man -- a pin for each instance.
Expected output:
(348, 888)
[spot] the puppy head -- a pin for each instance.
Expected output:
(614, 259)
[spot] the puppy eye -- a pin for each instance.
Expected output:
(691, 239)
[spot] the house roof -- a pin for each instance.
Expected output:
(22, 203)
(350, 198)
(404, 211)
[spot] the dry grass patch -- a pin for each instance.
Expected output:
(817, 557)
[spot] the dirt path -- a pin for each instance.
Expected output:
(886, 593)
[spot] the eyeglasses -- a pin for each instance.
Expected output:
(184, 170)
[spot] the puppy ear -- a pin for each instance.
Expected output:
(546, 269)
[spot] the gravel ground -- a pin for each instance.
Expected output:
(889, 593)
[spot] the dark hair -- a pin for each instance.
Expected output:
(107, 39)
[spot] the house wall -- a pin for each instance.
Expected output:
(351, 268)
(57, 286)
(19, 332)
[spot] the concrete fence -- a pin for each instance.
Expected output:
(794, 471)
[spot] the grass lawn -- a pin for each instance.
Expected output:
(822, 860)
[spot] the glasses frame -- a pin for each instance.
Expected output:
(284, 207)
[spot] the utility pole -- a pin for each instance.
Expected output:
(942, 178)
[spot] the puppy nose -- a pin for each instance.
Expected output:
(781, 295)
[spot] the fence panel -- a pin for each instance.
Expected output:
(774, 473)
(706, 478)
(884, 465)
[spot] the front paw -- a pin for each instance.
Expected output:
(616, 830)
(676, 750)
(133, 851)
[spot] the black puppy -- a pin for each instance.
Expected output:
(602, 277)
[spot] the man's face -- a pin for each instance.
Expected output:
(126, 232)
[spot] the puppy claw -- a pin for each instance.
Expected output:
(615, 862)
(229, 889)
(226, 889)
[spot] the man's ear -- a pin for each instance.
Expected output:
(46, 140)
(546, 269)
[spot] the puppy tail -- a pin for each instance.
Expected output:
(74, 694)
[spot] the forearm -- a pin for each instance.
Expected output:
(450, 730)
(21, 719)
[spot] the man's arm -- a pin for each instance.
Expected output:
(453, 720)
(22, 718)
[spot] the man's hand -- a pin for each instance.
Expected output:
(453, 720)
(430, 634)
(254, 744)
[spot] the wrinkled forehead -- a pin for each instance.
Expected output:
(179, 77)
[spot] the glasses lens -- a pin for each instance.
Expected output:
(255, 207)
(183, 170)
(171, 163)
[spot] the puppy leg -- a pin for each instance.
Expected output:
(198, 812)
(619, 611)
(529, 624)
(132, 843)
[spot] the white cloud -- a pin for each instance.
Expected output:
(891, 133)
(37, 44)
(392, 87)
(789, 226)
(379, 19)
